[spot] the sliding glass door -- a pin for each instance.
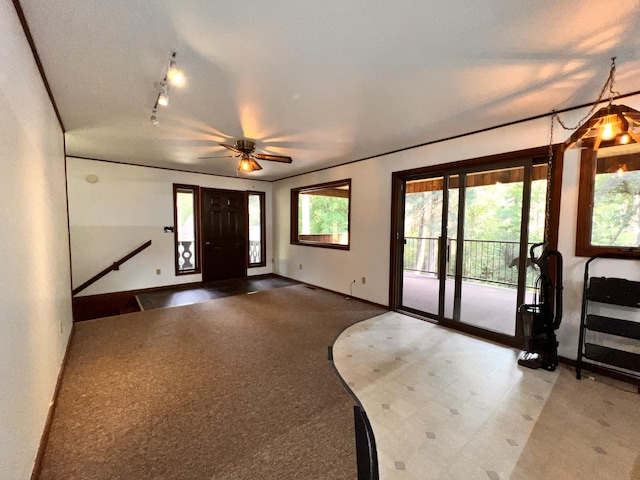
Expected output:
(421, 246)
(465, 243)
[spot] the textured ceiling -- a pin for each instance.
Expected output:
(323, 82)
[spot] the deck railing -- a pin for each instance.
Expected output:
(485, 261)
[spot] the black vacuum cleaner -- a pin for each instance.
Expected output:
(539, 320)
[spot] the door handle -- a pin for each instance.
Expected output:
(207, 243)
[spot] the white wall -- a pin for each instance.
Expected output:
(369, 255)
(35, 297)
(574, 266)
(126, 207)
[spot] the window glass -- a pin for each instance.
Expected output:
(609, 205)
(186, 216)
(616, 196)
(257, 247)
(320, 215)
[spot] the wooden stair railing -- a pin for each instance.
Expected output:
(114, 266)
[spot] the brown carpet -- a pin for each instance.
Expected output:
(234, 388)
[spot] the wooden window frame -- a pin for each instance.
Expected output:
(263, 230)
(196, 223)
(586, 186)
(295, 193)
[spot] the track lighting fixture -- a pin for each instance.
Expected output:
(172, 76)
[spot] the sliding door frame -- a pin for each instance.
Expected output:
(461, 168)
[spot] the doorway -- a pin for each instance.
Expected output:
(224, 234)
(462, 238)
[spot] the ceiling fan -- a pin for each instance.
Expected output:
(245, 150)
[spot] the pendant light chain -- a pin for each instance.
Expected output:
(550, 168)
(612, 79)
(607, 85)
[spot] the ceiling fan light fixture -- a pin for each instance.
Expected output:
(248, 164)
(244, 149)
(255, 166)
(245, 165)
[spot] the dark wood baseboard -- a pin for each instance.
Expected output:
(37, 466)
(605, 372)
(368, 302)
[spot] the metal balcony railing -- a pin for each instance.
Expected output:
(485, 261)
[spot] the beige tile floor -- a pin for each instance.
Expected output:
(444, 405)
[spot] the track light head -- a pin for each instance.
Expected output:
(163, 96)
(154, 118)
(175, 76)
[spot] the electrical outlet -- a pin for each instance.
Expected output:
(364, 280)
(158, 271)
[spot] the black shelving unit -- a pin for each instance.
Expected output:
(611, 291)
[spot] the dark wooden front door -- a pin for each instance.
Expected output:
(224, 234)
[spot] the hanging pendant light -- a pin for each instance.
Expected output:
(611, 125)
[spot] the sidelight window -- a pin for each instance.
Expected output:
(257, 244)
(186, 215)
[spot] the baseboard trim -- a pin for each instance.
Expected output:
(368, 302)
(600, 370)
(44, 438)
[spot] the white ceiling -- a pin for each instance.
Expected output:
(325, 82)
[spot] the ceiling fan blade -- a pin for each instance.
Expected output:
(232, 148)
(273, 158)
(219, 156)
